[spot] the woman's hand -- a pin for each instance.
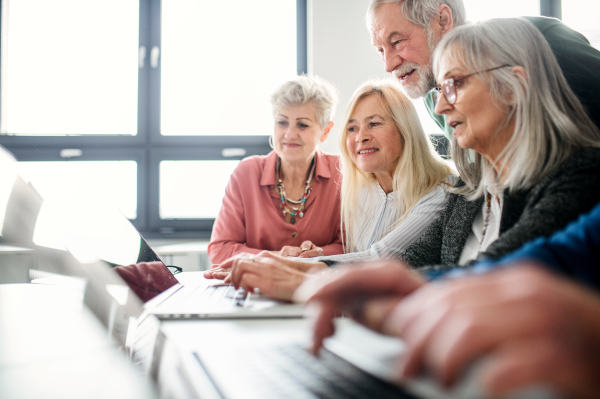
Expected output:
(525, 324)
(271, 274)
(222, 271)
(306, 250)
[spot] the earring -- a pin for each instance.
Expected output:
(271, 142)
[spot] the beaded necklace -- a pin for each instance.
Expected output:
(293, 212)
(486, 221)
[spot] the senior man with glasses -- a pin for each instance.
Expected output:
(405, 33)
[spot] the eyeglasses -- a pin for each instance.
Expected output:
(449, 86)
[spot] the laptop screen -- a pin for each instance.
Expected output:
(86, 223)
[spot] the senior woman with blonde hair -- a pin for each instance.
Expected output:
(394, 186)
(383, 213)
(277, 201)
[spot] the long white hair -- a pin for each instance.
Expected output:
(550, 122)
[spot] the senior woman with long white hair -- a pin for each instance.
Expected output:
(535, 159)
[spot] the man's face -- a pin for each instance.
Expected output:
(405, 48)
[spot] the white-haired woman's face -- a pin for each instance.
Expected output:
(477, 118)
(297, 133)
(372, 138)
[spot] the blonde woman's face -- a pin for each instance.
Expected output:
(372, 139)
(297, 133)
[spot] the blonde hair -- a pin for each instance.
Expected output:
(419, 170)
(550, 122)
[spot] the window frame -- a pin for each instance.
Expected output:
(148, 148)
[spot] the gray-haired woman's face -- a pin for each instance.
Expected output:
(477, 118)
(297, 133)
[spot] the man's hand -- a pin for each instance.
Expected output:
(367, 292)
(528, 325)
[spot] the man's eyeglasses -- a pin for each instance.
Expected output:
(449, 86)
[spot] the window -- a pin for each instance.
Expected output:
(152, 102)
(478, 10)
(584, 17)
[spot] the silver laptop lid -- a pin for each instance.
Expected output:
(88, 225)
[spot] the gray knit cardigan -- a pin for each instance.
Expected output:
(570, 189)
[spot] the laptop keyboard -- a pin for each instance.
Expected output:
(214, 296)
(292, 372)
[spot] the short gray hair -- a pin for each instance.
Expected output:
(550, 122)
(421, 12)
(307, 89)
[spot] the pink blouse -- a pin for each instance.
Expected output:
(251, 219)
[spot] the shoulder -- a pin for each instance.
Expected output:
(254, 164)
(449, 182)
(555, 31)
(328, 167)
(456, 202)
(546, 25)
(580, 170)
(542, 23)
(331, 160)
(586, 160)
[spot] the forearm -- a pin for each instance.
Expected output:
(332, 249)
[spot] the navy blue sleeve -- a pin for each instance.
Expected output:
(573, 252)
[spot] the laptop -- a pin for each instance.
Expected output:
(228, 355)
(92, 228)
(243, 358)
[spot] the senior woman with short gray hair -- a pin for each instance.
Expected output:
(278, 201)
(535, 160)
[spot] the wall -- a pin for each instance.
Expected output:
(339, 49)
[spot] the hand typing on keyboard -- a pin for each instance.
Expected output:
(518, 322)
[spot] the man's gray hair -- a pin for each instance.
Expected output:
(307, 89)
(420, 12)
(550, 122)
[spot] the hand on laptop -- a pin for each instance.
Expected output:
(222, 271)
(273, 275)
(368, 293)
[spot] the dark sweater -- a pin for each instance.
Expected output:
(570, 189)
(574, 251)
